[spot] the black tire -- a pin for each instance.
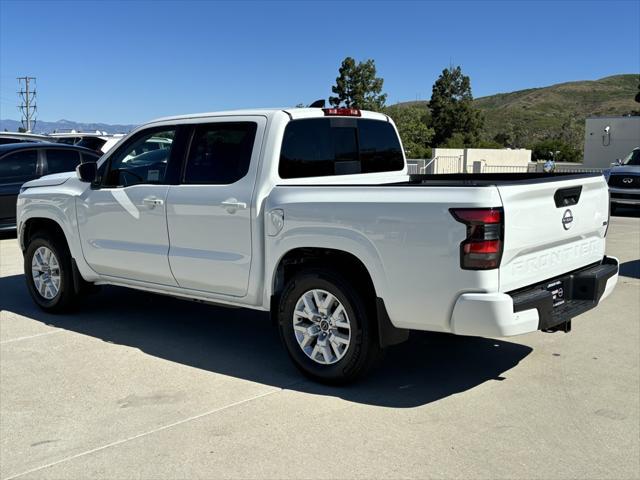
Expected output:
(66, 296)
(363, 351)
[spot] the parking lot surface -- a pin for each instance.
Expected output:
(136, 385)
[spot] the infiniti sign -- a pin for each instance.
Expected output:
(567, 219)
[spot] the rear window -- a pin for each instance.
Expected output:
(320, 147)
(62, 160)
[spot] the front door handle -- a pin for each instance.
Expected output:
(153, 201)
(232, 204)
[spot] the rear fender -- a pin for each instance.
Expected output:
(334, 238)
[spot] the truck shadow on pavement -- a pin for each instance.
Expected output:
(243, 343)
(630, 269)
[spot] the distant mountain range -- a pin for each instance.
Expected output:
(65, 126)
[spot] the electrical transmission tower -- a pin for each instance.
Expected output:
(27, 105)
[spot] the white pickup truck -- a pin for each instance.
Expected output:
(310, 214)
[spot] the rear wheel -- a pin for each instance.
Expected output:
(48, 272)
(326, 327)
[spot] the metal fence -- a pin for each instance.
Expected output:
(415, 166)
(455, 164)
(509, 168)
(567, 169)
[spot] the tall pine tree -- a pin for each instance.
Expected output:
(452, 110)
(358, 87)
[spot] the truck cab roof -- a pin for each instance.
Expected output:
(292, 112)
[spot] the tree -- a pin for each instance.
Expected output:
(636, 113)
(503, 139)
(452, 109)
(412, 122)
(572, 133)
(555, 149)
(358, 87)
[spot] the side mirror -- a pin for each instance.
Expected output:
(87, 172)
(617, 163)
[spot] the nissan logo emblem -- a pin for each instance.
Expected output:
(627, 180)
(567, 219)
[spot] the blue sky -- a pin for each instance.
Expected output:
(128, 62)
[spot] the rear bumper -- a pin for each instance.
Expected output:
(531, 308)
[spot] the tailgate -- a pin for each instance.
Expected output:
(552, 227)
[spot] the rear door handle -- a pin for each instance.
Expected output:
(153, 201)
(232, 204)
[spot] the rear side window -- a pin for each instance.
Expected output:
(321, 147)
(220, 153)
(19, 166)
(62, 160)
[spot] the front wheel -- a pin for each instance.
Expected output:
(326, 328)
(48, 272)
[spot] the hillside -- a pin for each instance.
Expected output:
(543, 112)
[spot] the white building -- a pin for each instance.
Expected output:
(608, 138)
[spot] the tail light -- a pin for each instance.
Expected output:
(482, 249)
(342, 112)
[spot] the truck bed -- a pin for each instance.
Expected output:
(482, 179)
(463, 180)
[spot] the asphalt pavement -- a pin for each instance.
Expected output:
(136, 385)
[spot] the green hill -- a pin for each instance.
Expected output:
(542, 112)
(556, 111)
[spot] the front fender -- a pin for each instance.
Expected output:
(58, 204)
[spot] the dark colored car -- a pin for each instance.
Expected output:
(21, 162)
(624, 181)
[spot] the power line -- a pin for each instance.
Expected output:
(28, 105)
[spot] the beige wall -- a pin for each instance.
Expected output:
(454, 160)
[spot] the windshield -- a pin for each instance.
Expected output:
(633, 158)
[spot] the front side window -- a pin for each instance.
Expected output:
(220, 153)
(320, 147)
(62, 160)
(18, 166)
(141, 160)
